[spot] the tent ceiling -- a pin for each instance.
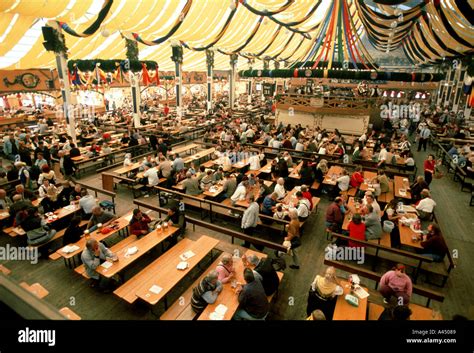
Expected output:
(21, 21)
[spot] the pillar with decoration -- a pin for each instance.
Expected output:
(177, 58)
(61, 63)
(233, 65)
(210, 66)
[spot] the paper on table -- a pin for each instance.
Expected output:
(69, 207)
(70, 248)
(187, 255)
(221, 309)
(182, 265)
(216, 316)
(155, 289)
(361, 292)
(128, 218)
(106, 264)
(4, 214)
(131, 251)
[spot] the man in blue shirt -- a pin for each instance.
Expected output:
(253, 302)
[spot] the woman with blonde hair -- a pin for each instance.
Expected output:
(322, 294)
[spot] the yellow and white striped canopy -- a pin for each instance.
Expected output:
(21, 36)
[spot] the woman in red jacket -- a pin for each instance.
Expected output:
(429, 168)
(139, 223)
(356, 230)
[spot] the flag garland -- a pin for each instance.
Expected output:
(177, 24)
(94, 26)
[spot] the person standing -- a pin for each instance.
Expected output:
(425, 134)
(250, 219)
(429, 166)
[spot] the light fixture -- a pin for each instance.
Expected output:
(105, 33)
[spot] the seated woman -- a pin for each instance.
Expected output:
(373, 227)
(37, 231)
(396, 283)
(48, 174)
(49, 194)
(356, 230)
(322, 294)
(390, 214)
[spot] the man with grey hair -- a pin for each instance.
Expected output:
(250, 219)
(92, 256)
(191, 184)
(99, 216)
(264, 271)
(5, 201)
(206, 292)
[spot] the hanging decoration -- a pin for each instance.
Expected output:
(218, 36)
(284, 7)
(94, 26)
(345, 74)
(428, 32)
(177, 24)
(337, 41)
(249, 39)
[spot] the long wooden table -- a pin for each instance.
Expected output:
(128, 169)
(122, 223)
(401, 183)
(199, 155)
(295, 173)
(333, 173)
(344, 310)
(143, 245)
(406, 234)
(163, 272)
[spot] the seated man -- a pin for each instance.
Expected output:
(87, 202)
(206, 292)
(191, 185)
(99, 216)
(26, 195)
(152, 175)
(253, 303)
(177, 219)
(91, 257)
(303, 207)
(139, 224)
(265, 273)
(426, 205)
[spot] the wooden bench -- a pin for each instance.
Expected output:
(387, 196)
(350, 192)
(315, 186)
(5, 270)
(384, 240)
(69, 314)
(315, 201)
(375, 276)
(36, 288)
